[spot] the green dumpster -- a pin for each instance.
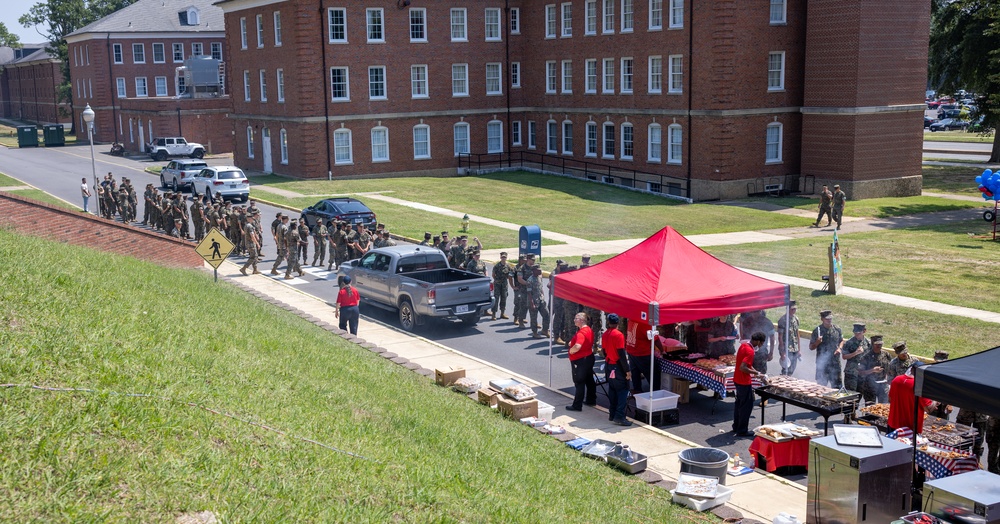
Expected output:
(27, 136)
(54, 135)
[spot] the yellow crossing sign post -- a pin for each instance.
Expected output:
(214, 248)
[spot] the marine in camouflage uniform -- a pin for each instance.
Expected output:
(558, 322)
(182, 210)
(167, 212)
(536, 304)
(133, 201)
(826, 340)
(280, 240)
(123, 203)
(789, 348)
(839, 200)
(901, 363)
(521, 293)
(825, 200)
(147, 203)
(320, 235)
(853, 352)
(252, 241)
(979, 421)
(198, 218)
(362, 241)
(501, 283)
(457, 252)
(343, 240)
(387, 240)
(292, 240)
(304, 241)
(153, 208)
(569, 312)
(873, 371)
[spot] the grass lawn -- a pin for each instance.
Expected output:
(6, 181)
(939, 263)
(563, 205)
(882, 207)
(73, 457)
(8, 136)
(154, 169)
(958, 136)
(959, 180)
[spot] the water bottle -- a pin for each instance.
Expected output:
(753, 460)
(737, 463)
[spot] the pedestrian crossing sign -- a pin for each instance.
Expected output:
(215, 247)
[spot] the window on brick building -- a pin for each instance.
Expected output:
(567, 76)
(567, 20)
(141, 89)
(459, 28)
(160, 84)
(277, 28)
(550, 21)
(515, 132)
(551, 137)
(421, 141)
(608, 25)
(778, 9)
(494, 84)
(376, 28)
(461, 132)
(246, 86)
(260, 31)
(676, 74)
(675, 139)
(340, 89)
(590, 67)
(567, 137)
(532, 135)
(250, 147)
(460, 80)
(217, 50)
(515, 74)
(262, 74)
(627, 75)
(343, 152)
(380, 144)
(494, 137)
(283, 145)
(337, 25)
(280, 74)
(243, 33)
(628, 16)
(120, 83)
(776, 71)
(515, 21)
(117, 51)
(418, 81)
(138, 53)
(654, 145)
(676, 14)
(492, 24)
(609, 140)
(773, 143)
(609, 76)
(551, 73)
(418, 24)
(158, 55)
(376, 83)
(590, 17)
(655, 74)
(178, 52)
(628, 141)
(591, 139)
(655, 15)
(181, 87)
(197, 49)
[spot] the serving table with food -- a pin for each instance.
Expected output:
(938, 460)
(821, 400)
(782, 445)
(714, 374)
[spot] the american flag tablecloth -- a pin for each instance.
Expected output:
(709, 379)
(938, 467)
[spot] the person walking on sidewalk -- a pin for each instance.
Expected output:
(581, 361)
(825, 201)
(616, 370)
(839, 201)
(742, 378)
(347, 306)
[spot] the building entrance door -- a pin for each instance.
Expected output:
(266, 146)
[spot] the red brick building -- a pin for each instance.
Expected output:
(125, 67)
(29, 81)
(720, 96)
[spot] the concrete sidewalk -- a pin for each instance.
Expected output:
(759, 496)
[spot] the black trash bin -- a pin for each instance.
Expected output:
(709, 462)
(27, 136)
(54, 135)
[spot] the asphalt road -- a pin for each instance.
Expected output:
(703, 420)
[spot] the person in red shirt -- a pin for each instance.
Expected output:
(581, 361)
(347, 300)
(616, 369)
(901, 402)
(637, 345)
(742, 377)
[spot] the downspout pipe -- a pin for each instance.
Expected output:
(326, 91)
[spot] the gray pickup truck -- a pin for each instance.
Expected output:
(417, 282)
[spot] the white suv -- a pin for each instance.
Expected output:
(221, 182)
(164, 147)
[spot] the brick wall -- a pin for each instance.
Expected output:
(30, 92)
(80, 229)
(201, 120)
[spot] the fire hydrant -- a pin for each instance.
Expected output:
(465, 223)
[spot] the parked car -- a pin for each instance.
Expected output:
(933, 104)
(178, 174)
(169, 146)
(949, 124)
(349, 209)
(223, 182)
(944, 109)
(928, 121)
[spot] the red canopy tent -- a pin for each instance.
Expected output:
(667, 279)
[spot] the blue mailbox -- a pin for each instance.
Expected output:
(530, 241)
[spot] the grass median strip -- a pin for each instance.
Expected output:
(6, 181)
(959, 180)
(887, 207)
(98, 456)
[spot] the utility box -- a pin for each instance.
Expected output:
(27, 136)
(530, 241)
(55, 135)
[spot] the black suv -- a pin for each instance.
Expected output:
(347, 209)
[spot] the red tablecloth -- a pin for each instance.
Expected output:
(794, 452)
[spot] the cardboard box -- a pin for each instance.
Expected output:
(448, 376)
(517, 410)
(683, 388)
(488, 396)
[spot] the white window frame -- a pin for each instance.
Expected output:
(174, 48)
(117, 53)
(515, 75)
(276, 16)
(462, 28)
(768, 158)
(551, 72)
(567, 77)
(780, 84)
(781, 5)
(675, 74)
(628, 141)
(590, 76)
(260, 30)
(608, 79)
(347, 85)
(156, 86)
(592, 140)
(246, 85)
(676, 14)
(461, 143)
(490, 127)
(250, 141)
(197, 49)
(655, 73)
(567, 137)
(338, 149)
(419, 87)
(120, 85)
(163, 53)
(608, 17)
(532, 135)
(417, 155)
(515, 132)
(628, 16)
(515, 20)
(283, 145)
(262, 79)
(142, 53)
(330, 26)
(422, 25)
(608, 139)
(627, 75)
(551, 24)
(384, 132)
(551, 137)
(375, 29)
(144, 92)
(216, 46)
(654, 143)
(371, 93)
(566, 20)
(494, 81)
(590, 17)
(493, 32)
(655, 15)
(675, 144)
(459, 80)
(279, 75)
(243, 33)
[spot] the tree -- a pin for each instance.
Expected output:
(965, 54)
(8, 39)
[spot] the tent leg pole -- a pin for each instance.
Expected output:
(652, 365)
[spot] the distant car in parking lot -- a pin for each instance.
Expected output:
(178, 174)
(949, 124)
(346, 209)
(933, 104)
(928, 121)
(221, 182)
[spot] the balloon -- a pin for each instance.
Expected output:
(979, 180)
(987, 172)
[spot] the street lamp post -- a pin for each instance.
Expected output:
(88, 118)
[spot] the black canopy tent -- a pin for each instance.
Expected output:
(967, 382)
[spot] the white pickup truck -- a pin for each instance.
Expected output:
(164, 147)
